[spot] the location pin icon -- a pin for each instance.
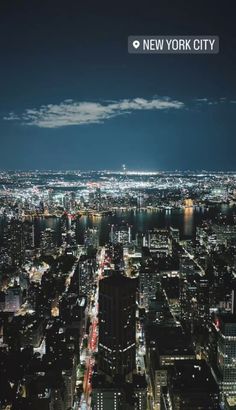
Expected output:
(136, 44)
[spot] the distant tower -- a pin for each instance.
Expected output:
(112, 234)
(33, 236)
(124, 169)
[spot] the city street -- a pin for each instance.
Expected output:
(88, 353)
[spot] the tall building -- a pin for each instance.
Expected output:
(15, 241)
(203, 298)
(188, 299)
(159, 241)
(147, 286)
(117, 395)
(48, 241)
(84, 272)
(66, 202)
(121, 234)
(107, 396)
(187, 267)
(117, 304)
(226, 352)
(29, 234)
(175, 234)
(13, 299)
(192, 386)
(91, 237)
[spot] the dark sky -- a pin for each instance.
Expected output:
(69, 88)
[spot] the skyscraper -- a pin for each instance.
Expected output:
(117, 297)
(121, 234)
(226, 352)
(147, 286)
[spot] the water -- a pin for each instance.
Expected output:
(185, 220)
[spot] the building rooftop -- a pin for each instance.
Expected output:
(117, 279)
(193, 376)
(169, 340)
(231, 402)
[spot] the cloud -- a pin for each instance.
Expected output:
(201, 100)
(11, 117)
(208, 101)
(70, 112)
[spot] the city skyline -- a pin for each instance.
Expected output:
(117, 205)
(117, 290)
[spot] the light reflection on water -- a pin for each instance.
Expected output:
(185, 219)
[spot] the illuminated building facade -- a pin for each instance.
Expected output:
(226, 352)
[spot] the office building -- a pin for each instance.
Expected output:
(226, 352)
(117, 303)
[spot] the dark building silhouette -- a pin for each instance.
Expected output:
(193, 387)
(117, 298)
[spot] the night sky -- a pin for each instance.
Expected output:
(71, 97)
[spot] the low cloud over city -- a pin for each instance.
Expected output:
(70, 112)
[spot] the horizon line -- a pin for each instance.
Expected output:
(120, 171)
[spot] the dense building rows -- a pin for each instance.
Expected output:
(106, 315)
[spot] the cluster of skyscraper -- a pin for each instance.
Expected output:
(131, 307)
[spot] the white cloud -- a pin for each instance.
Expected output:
(70, 112)
(207, 101)
(11, 117)
(201, 100)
